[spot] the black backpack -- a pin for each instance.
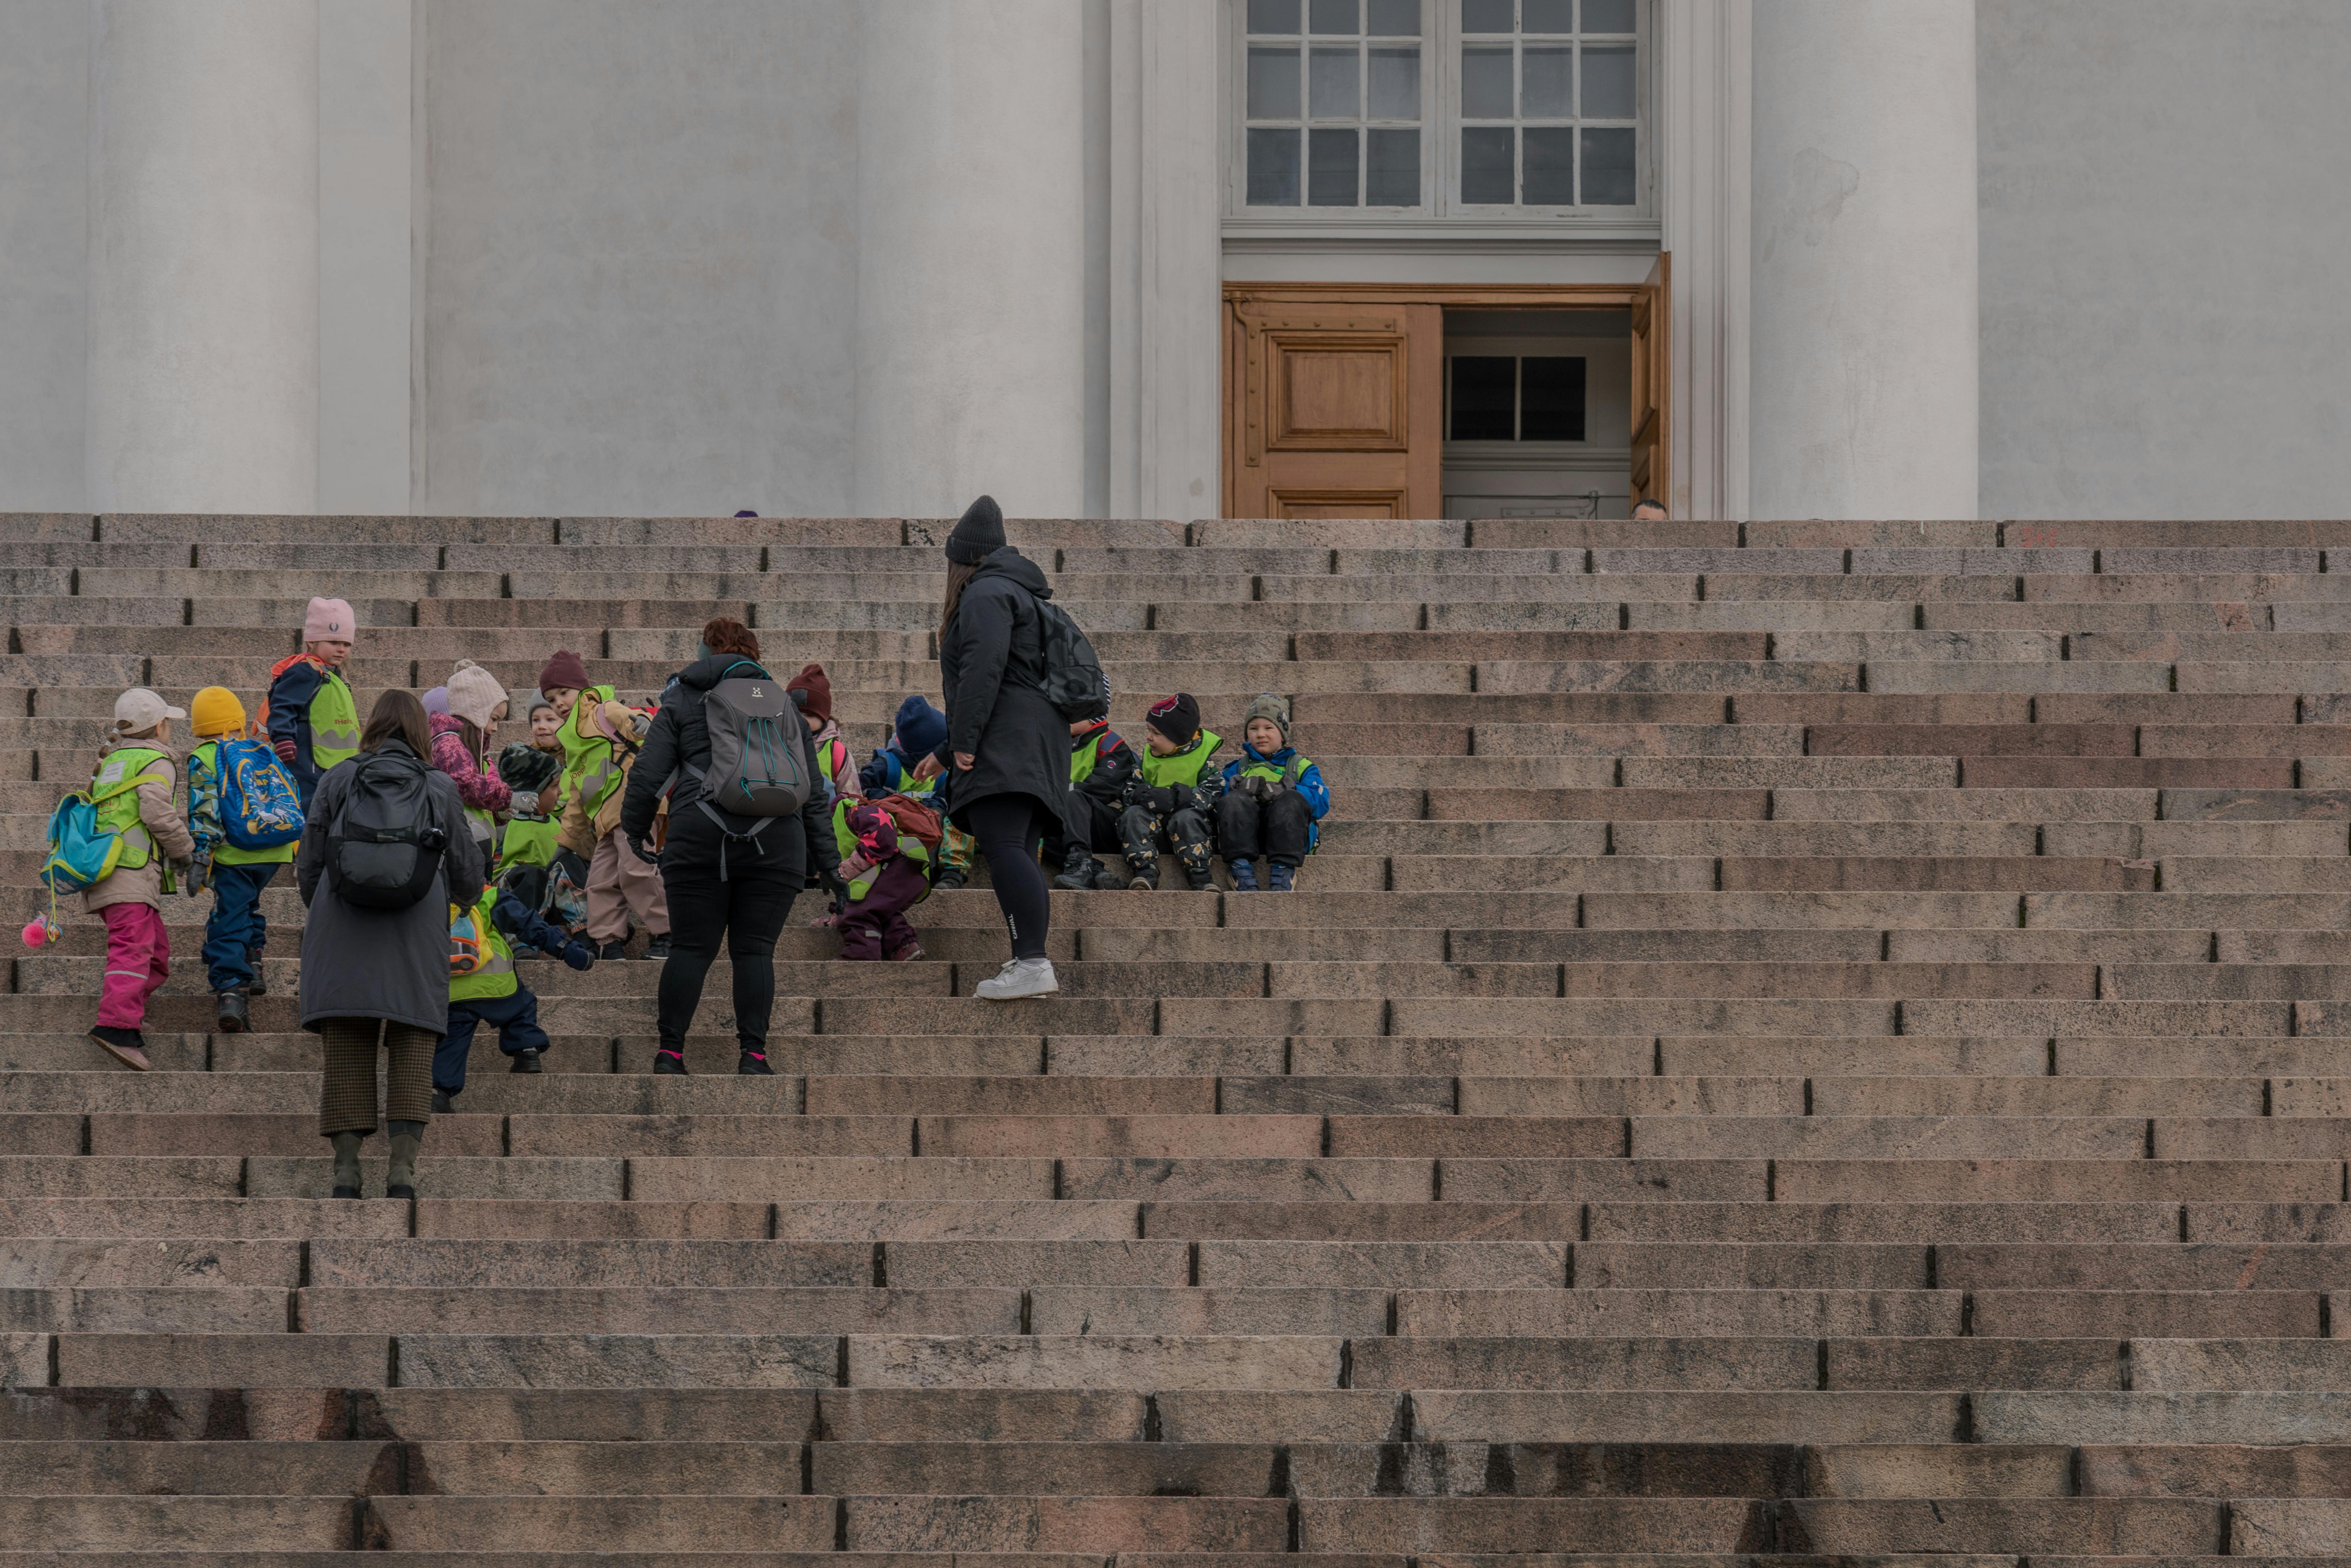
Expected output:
(1074, 681)
(385, 846)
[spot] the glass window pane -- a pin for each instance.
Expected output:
(1331, 77)
(1607, 84)
(1331, 168)
(1546, 84)
(1548, 16)
(1273, 84)
(1486, 16)
(1486, 84)
(1392, 171)
(1273, 168)
(1273, 15)
(1394, 19)
(1486, 165)
(1485, 393)
(1550, 167)
(1340, 16)
(1396, 84)
(1550, 399)
(1607, 15)
(1608, 175)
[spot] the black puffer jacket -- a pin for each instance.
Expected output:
(992, 674)
(679, 740)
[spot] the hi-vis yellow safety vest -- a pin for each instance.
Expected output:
(496, 977)
(334, 722)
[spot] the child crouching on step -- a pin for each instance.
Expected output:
(1274, 801)
(886, 865)
(484, 988)
(919, 730)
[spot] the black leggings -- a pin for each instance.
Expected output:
(1010, 828)
(746, 912)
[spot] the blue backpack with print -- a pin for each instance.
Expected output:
(259, 809)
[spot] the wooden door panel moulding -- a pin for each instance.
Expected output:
(1456, 296)
(1337, 503)
(1336, 391)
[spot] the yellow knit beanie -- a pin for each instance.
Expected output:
(215, 712)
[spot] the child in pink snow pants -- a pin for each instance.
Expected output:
(136, 773)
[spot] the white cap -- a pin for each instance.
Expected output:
(140, 709)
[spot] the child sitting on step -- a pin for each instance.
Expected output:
(486, 989)
(1100, 765)
(887, 871)
(1274, 801)
(131, 789)
(1171, 798)
(919, 730)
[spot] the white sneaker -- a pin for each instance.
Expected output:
(1019, 977)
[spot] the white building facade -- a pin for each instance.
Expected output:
(1176, 258)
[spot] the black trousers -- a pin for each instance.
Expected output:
(746, 912)
(1010, 828)
(1100, 818)
(1276, 827)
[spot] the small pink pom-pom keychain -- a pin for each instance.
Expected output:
(44, 929)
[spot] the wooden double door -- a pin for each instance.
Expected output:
(1334, 393)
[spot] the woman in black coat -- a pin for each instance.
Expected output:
(729, 878)
(1007, 757)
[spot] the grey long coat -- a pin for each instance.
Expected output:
(381, 963)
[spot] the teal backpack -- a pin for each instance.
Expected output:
(81, 853)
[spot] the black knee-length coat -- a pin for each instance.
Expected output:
(992, 672)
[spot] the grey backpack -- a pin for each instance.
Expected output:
(757, 743)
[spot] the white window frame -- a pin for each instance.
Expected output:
(1440, 140)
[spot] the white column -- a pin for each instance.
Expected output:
(202, 381)
(1864, 392)
(1166, 305)
(971, 251)
(1706, 124)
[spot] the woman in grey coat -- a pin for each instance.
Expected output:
(380, 972)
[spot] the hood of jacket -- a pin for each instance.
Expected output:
(703, 673)
(1271, 758)
(440, 723)
(1009, 562)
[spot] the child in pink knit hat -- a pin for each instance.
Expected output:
(310, 716)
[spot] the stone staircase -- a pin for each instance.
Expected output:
(1819, 1041)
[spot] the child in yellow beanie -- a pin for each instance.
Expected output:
(232, 776)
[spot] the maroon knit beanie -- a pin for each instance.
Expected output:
(819, 686)
(564, 670)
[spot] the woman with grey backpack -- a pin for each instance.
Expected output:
(385, 852)
(736, 855)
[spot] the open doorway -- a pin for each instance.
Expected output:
(1338, 398)
(1538, 414)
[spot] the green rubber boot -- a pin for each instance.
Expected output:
(407, 1139)
(347, 1163)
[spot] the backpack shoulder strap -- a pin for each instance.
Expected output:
(1296, 771)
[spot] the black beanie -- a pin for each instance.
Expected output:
(978, 533)
(1176, 717)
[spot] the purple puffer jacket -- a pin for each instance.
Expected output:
(480, 787)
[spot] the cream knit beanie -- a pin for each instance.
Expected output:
(474, 693)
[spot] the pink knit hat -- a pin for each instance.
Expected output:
(329, 621)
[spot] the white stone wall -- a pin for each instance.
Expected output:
(44, 236)
(2166, 330)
